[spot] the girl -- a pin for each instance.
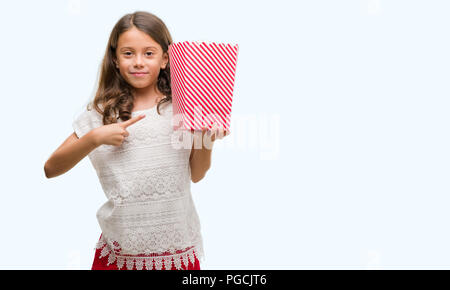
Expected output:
(149, 221)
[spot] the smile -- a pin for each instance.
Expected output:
(139, 74)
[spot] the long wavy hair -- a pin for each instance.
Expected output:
(114, 99)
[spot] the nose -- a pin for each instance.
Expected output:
(138, 60)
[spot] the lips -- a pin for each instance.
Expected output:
(139, 74)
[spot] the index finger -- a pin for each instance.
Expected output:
(132, 121)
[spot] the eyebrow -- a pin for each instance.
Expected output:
(126, 47)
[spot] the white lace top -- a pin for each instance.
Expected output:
(150, 216)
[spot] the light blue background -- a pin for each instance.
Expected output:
(354, 172)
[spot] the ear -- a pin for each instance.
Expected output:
(166, 60)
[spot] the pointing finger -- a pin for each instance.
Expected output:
(132, 121)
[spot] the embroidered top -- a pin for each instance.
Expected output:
(149, 216)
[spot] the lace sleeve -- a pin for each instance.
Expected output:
(85, 122)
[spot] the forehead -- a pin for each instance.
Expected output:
(134, 38)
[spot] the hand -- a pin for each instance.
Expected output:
(209, 136)
(114, 134)
(215, 133)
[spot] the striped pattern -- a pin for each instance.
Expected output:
(202, 78)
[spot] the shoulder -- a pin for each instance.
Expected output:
(166, 108)
(167, 105)
(86, 120)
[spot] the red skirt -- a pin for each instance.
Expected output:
(102, 263)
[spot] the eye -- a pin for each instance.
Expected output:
(150, 52)
(127, 52)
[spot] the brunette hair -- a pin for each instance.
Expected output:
(114, 94)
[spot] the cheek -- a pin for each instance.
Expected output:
(123, 73)
(123, 68)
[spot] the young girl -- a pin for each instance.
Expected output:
(149, 221)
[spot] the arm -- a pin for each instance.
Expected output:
(200, 162)
(72, 151)
(200, 159)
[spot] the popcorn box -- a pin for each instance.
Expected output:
(202, 77)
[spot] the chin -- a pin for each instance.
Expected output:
(140, 85)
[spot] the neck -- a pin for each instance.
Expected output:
(147, 95)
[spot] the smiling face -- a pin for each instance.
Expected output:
(139, 58)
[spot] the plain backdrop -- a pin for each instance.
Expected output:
(338, 157)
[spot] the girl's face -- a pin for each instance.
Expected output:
(139, 58)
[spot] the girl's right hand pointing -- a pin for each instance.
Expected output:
(114, 134)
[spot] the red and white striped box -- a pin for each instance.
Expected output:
(202, 78)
